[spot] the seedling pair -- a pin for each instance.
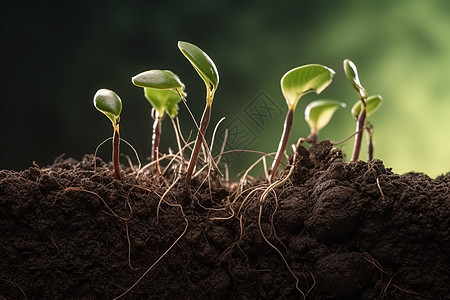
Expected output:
(164, 90)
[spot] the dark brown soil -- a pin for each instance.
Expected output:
(345, 230)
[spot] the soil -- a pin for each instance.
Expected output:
(343, 230)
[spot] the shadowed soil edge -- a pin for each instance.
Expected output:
(346, 230)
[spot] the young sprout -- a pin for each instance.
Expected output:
(207, 70)
(352, 75)
(372, 105)
(294, 84)
(110, 104)
(318, 114)
(163, 89)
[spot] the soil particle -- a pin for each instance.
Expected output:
(345, 230)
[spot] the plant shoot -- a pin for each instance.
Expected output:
(318, 114)
(372, 105)
(294, 84)
(207, 70)
(352, 75)
(109, 103)
(163, 89)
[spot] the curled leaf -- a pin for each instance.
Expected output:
(372, 105)
(109, 103)
(163, 101)
(301, 80)
(203, 64)
(352, 75)
(319, 113)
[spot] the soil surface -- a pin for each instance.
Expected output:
(342, 230)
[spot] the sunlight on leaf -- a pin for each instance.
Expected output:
(109, 103)
(163, 101)
(305, 79)
(203, 64)
(372, 105)
(159, 79)
(319, 113)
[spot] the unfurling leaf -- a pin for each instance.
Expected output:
(352, 75)
(305, 79)
(319, 113)
(372, 104)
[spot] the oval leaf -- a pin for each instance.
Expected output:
(202, 63)
(108, 103)
(319, 113)
(372, 104)
(163, 101)
(305, 79)
(352, 75)
(158, 79)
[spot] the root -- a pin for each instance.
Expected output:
(376, 264)
(161, 257)
(76, 189)
(16, 285)
(379, 188)
(267, 191)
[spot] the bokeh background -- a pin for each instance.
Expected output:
(55, 55)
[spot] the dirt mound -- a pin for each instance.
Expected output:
(343, 230)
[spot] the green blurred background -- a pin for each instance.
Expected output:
(55, 55)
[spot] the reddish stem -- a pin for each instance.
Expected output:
(116, 141)
(156, 137)
(198, 142)
(283, 143)
(359, 132)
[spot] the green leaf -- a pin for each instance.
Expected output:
(159, 79)
(305, 79)
(108, 103)
(352, 75)
(163, 101)
(319, 113)
(372, 105)
(203, 64)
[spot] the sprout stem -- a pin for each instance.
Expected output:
(359, 131)
(283, 143)
(116, 141)
(198, 142)
(156, 137)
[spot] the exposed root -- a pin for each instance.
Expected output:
(16, 285)
(129, 247)
(379, 188)
(161, 257)
(76, 189)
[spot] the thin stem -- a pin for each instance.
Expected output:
(359, 131)
(283, 142)
(156, 137)
(198, 142)
(116, 141)
(369, 130)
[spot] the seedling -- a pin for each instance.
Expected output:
(164, 90)
(294, 84)
(110, 104)
(318, 114)
(207, 70)
(372, 105)
(361, 108)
